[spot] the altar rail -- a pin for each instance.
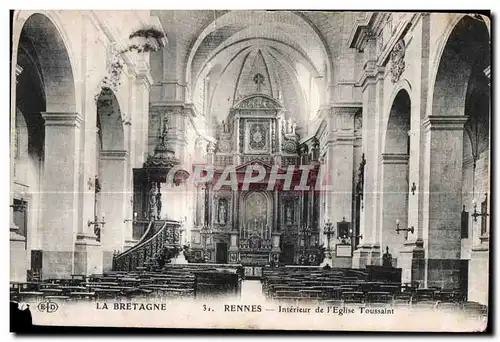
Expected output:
(155, 242)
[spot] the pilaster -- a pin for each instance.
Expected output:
(141, 81)
(114, 198)
(394, 201)
(340, 162)
(443, 198)
(18, 256)
(60, 193)
(371, 82)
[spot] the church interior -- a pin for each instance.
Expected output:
(325, 150)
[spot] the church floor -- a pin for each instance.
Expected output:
(251, 290)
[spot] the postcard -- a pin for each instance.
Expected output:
(251, 169)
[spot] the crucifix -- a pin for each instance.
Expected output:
(259, 80)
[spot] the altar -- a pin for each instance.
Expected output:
(252, 206)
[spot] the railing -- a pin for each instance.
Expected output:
(151, 246)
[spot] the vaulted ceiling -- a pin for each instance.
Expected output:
(237, 46)
(217, 54)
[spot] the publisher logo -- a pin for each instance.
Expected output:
(48, 307)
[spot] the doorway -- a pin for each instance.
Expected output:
(221, 253)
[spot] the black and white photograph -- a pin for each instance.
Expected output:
(294, 170)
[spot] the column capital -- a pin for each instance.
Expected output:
(141, 71)
(341, 137)
(444, 123)
(62, 119)
(370, 74)
(350, 109)
(114, 154)
(394, 158)
(342, 116)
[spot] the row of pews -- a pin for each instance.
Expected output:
(189, 280)
(338, 286)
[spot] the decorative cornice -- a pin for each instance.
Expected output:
(394, 158)
(175, 107)
(343, 138)
(371, 73)
(348, 108)
(361, 32)
(114, 154)
(62, 119)
(446, 123)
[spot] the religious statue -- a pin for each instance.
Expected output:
(152, 203)
(387, 258)
(166, 123)
(222, 211)
(225, 127)
(294, 125)
(257, 136)
(158, 204)
(290, 126)
(288, 217)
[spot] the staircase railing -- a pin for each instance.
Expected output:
(151, 246)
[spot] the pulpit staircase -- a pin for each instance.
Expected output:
(160, 241)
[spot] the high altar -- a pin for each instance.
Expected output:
(255, 224)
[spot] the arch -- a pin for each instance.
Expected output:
(230, 18)
(261, 101)
(403, 84)
(466, 41)
(288, 81)
(398, 124)
(248, 42)
(394, 181)
(109, 118)
(48, 40)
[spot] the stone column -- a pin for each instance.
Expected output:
(88, 256)
(60, 194)
(18, 256)
(342, 161)
(200, 209)
(114, 199)
(237, 154)
(340, 156)
(129, 186)
(235, 232)
(442, 200)
(275, 210)
(236, 199)
(393, 202)
(210, 153)
(177, 131)
(368, 252)
(139, 96)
